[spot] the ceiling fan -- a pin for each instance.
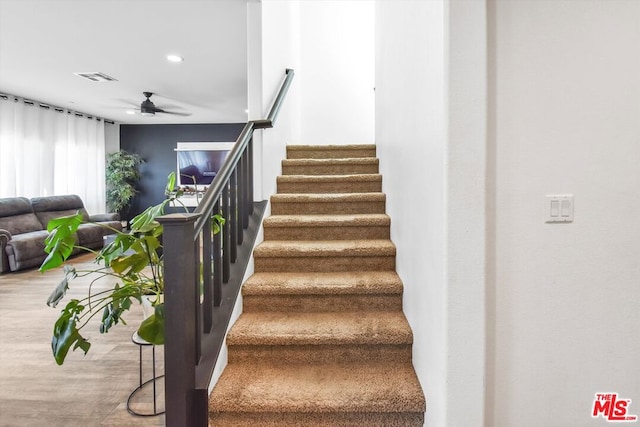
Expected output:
(148, 108)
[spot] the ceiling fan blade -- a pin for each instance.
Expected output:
(175, 113)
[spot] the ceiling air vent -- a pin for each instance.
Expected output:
(96, 77)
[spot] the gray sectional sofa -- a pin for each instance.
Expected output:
(23, 228)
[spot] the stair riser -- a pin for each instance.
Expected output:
(337, 232)
(324, 264)
(279, 419)
(329, 187)
(334, 169)
(320, 353)
(336, 208)
(331, 154)
(333, 303)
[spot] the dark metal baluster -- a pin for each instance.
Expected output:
(207, 270)
(195, 282)
(250, 178)
(226, 236)
(233, 215)
(241, 188)
(217, 263)
(245, 189)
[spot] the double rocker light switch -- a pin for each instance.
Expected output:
(559, 208)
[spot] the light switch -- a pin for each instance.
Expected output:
(559, 208)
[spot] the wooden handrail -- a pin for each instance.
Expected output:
(223, 175)
(202, 278)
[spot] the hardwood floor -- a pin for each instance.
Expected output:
(85, 391)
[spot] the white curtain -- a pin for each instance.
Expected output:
(45, 152)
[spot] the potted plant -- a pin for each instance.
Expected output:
(121, 174)
(133, 260)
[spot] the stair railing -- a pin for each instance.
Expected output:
(201, 285)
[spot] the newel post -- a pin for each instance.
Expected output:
(180, 316)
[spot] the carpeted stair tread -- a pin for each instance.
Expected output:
(358, 183)
(330, 292)
(324, 248)
(327, 198)
(330, 151)
(319, 419)
(326, 162)
(341, 328)
(361, 220)
(372, 177)
(360, 282)
(350, 166)
(327, 227)
(314, 388)
(328, 203)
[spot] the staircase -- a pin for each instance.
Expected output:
(322, 340)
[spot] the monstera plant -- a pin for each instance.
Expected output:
(133, 261)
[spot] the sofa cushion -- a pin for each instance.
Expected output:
(45, 217)
(50, 207)
(10, 206)
(16, 216)
(57, 203)
(26, 249)
(18, 224)
(91, 235)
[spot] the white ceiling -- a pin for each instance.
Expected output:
(43, 42)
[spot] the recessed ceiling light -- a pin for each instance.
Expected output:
(131, 112)
(174, 58)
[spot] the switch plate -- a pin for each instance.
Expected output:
(558, 208)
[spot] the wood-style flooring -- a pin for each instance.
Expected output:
(85, 391)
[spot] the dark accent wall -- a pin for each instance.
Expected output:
(156, 145)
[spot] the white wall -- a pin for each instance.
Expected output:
(431, 136)
(411, 145)
(279, 51)
(565, 118)
(337, 71)
(466, 98)
(111, 137)
(330, 45)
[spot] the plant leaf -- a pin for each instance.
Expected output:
(217, 222)
(130, 264)
(171, 183)
(121, 243)
(152, 328)
(149, 215)
(60, 291)
(120, 302)
(66, 333)
(61, 240)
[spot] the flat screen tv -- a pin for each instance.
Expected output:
(199, 167)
